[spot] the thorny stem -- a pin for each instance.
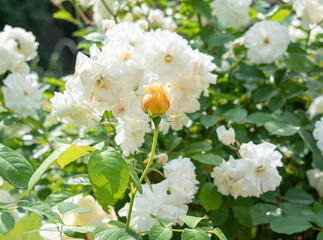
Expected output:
(156, 122)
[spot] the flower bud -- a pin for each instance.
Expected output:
(227, 137)
(155, 99)
(162, 158)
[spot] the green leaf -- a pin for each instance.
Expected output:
(116, 224)
(260, 118)
(79, 231)
(248, 73)
(7, 222)
(158, 232)
(58, 196)
(41, 209)
(263, 94)
(72, 153)
(68, 207)
(241, 213)
(79, 179)
(235, 115)
(135, 179)
(194, 234)
(209, 197)
(298, 62)
(218, 39)
(280, 15)
(290, 224)
(65, 15)
(118, 234)
(14, 168)
(164, 223)
(45, 165)
(209, 120)
(21, 230)
(191, 221)
(298, 195)
(281, 128)
(219, 216)
(208, 158)
(309, 141)
(197, 147)
(202, 7)
(109, 176)
(319, 236)
(276, 103)
(219, 234)
(263, 213)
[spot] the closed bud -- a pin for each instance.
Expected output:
(155, 99)
(162, 158)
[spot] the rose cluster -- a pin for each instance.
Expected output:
(166, 200)
(113, 79)
(254, 173)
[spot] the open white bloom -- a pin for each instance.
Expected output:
(232, 13)
(315, 178)
(316, 107)
(259, 164)
(26, 41)
(318, 134)
(22, 93)
(96, 217)
(266, 41)
(227, 180)
(181, 175)
(155, 201)
(227, 137)
(130, 134)
(310, 11)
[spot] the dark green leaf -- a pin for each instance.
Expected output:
(235, 115)
(202, 7)
(79, 231)
(263, 94)
(197, 147)
(263, 213)
(7, 222)
(14, 168)
(290, 224)
(260, 118)
(298, 195)
(218, 39)
(281, 128)
(219, 234)
(194, 234)
(58, 196)
(209, 197)
(309, 141)
(241, 213)
(208, 158)
(68, 207)
(249, 74)
(298, 62)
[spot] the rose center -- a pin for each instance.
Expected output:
(168, 58)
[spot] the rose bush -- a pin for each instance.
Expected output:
(182, 120)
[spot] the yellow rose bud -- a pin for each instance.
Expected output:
(155, 99)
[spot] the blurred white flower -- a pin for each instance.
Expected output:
(22, 93)
(130, 134)
(226, 179)
(318, 134)
(253, 174)
(26, 41)
(315, 178)
(96, 217)
(227, 137)
(266, 41)
(259, 164)
(232, 13)
(155, 201)
(1, 181)
(104, 10)
(181, 175)
(310, 11)
(316, 107)
(108, 24)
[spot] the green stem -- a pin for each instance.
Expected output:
(156, 122)
(110, 11)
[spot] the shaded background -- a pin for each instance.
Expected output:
(57, 48)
